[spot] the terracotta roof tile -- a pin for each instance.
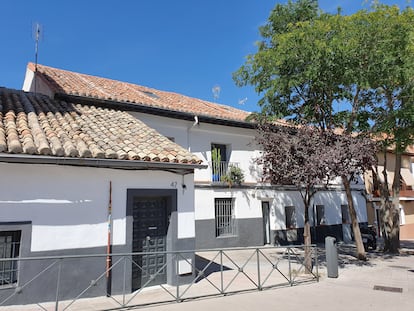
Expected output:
(72, 83)
(37, 125)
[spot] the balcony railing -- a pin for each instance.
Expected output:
(219, 169)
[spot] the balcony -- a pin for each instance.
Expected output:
(219, 169)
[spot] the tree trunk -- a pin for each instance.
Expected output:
(360, 250)
(390, 211)
(307, 240)
(391, 216)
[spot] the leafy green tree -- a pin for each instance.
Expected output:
(391, 80)
(319, 69)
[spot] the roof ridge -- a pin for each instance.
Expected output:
(73, 83)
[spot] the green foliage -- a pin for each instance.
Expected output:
(216, 160)
(234, 176)
(328, 70)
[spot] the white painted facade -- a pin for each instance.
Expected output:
(197, 138)
(68, 205)
(241, 149)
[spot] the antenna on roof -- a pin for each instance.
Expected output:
(216, 91)
(37, 35)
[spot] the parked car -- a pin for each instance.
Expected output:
(369, 237)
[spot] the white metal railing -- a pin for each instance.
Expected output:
(220, 169)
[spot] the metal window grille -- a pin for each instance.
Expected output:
(9, 248)
(225, 223)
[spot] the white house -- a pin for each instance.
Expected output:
(69, 169)
(253, 213)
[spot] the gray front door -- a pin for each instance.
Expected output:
(150, 225)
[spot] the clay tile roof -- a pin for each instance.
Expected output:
(37, 125)
(72, 83)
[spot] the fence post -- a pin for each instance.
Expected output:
(258, 270)
(316, 263)
(124, 283)
(58, 285)
(290, 267)
(221, 272)
(176, 277)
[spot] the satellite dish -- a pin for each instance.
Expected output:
(216, 91)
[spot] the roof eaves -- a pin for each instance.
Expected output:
(179, 168)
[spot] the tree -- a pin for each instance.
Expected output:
(303, 69)
(313, 65)
(391, 81)
(348, 157)
(295, 156)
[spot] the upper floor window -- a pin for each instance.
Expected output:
(9, 248)
(218, 161)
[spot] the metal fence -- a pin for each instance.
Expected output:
(208, 273)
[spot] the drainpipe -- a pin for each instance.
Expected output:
(196, 122)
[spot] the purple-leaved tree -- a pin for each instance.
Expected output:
(295, 156)
(348, 157)
(310, 159)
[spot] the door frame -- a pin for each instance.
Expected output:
(172, 241)
(266, 222)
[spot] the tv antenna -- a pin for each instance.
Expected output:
(216, 91)
(37, 36)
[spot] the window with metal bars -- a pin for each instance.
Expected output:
(9, 248)
(225, 224)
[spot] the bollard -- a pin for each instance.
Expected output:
(331, 257)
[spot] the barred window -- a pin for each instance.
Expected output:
(9, 248)
(225, 224)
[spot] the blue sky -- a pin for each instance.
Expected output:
(184, 46)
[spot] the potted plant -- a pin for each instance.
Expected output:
(234, 176)
(215, 163)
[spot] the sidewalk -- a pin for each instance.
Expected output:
(352, 290)
(392, 276)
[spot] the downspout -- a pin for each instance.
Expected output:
(196, 122)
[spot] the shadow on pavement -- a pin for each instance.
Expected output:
(347, 254)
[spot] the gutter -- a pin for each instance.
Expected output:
(140, 107)
(178, 168)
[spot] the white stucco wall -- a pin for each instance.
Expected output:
(245, 206)
(332, 200)
(68, 206)
(198, 138)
